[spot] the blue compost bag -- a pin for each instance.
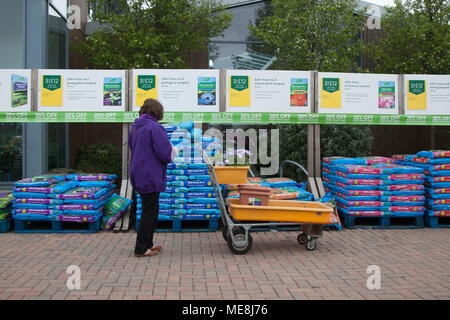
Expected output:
(176, 178)
(202, 206)
(19, 195)
(202, 200)
(100, 184)
(204, 211)
(200, 177)
(173, 166)
(191, 183)
(402, 182)
(200, 195)
(178, 195)
(197, 166)
(39, 181)
(178, 206)
(439, 173)
(202, 189)
(172, 212)
(389, 168)
(29, 206)
(440, 207)
(172, 200)
(176, 189)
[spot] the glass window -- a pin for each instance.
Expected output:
(57, 146)
(12, 34)
(10, 151)
(61, 6)
(57, 41)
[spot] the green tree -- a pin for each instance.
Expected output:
(152, 33)
(416, 38)
(312, 35)
(345, 141)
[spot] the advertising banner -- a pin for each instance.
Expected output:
(15, 90)
(81, 90)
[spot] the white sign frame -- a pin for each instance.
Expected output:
(88, 100)
(177, 89)
(277, 101)
(433, 107)
(365, 98)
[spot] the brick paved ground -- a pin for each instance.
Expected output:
(414, 265)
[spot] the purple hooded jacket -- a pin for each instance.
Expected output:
(150, 153)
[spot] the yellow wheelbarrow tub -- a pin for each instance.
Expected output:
(282, 211)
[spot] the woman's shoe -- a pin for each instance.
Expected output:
(149, 253)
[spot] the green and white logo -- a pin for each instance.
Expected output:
(239, 83)
(52, 82)
(330, 84)
(146, 82)
(416, 86)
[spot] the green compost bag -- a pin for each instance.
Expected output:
(5, 200)
(113, 210)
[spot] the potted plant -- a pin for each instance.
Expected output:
(234, 167)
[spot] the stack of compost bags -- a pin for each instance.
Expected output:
(374, 186)
(85, 202)
(189, 192)
(72, 198)
(436, 166)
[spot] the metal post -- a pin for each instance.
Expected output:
(401, 94)
(223, 90)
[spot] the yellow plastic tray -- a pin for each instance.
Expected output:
(282, 211)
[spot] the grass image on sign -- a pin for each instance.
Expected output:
(239, 91)
(19, 90)
(330, 93)
(112, 91)
(416, 97)
(51, 91)
(146, 88)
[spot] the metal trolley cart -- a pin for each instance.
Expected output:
(311, 216)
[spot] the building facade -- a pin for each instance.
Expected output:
(33, 35)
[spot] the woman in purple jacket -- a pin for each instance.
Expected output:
(151, 151)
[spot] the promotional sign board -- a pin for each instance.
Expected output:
(358, 93)
(15, 90)
(269, 91)
(195, 90)
(81, 90)
(427, 94)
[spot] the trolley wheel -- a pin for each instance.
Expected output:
(311, 244)
(302, 238)
(237, 243)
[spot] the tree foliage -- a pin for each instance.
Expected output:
(311, 35)
(345, 141)
(152, 33)
(416, 38)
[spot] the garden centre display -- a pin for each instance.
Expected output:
(436, 166)
(374, 186)
(189, 194)
(78, 198)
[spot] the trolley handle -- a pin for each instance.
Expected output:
(295, 164)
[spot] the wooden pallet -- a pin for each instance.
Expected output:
(186, 225)
(437, 222)
(47, 226)
(5, 225)
(382, 222)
